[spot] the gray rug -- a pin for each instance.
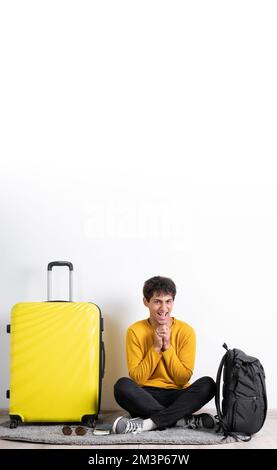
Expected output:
(52, 434)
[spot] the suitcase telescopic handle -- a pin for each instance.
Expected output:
(49, 277)
(60, 263)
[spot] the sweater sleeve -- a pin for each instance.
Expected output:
(180, 366)
(140, 366)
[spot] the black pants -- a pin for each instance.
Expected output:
(164, 406)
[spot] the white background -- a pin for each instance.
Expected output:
(138, 138)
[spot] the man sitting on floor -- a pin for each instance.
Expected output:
(160, 358)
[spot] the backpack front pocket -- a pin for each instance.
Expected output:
(247, 415)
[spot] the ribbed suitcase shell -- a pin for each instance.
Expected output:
(55, 361)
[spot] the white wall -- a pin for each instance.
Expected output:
(139, 138)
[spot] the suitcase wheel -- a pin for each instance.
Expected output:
(14, 421)
(88, 420)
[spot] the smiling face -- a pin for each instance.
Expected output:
(160, 306)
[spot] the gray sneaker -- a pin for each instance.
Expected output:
(202, 420)
(123, 425)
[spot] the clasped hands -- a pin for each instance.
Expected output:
(162, 338)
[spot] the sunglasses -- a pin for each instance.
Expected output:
(80, 431)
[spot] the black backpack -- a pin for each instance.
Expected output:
(244, 401)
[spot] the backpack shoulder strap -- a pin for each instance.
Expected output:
(218, 380)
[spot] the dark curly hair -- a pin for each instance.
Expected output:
(160, 285)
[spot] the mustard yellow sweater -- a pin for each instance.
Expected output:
(168, 369)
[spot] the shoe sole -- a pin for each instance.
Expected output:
(115, 423)
(214, 422)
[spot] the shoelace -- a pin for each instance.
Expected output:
(195, 422)
(133, 426)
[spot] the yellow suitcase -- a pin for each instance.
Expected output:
(57, 360)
